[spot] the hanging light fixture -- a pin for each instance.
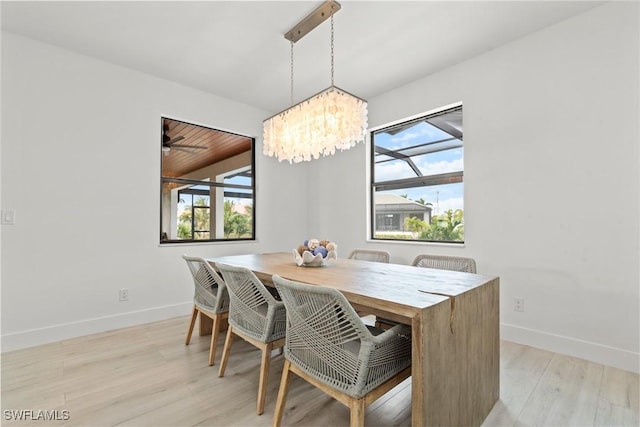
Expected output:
(329, 120)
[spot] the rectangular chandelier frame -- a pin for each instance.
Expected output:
(336, 88)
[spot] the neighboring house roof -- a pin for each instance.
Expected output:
(395, 203)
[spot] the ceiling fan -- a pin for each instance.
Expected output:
(169, 143)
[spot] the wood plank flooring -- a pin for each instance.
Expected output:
(146, 376)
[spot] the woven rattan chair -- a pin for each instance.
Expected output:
(442, 262)
(370, 255)
(255, 316)
(210, 299)
(328, 345)
(374, 256)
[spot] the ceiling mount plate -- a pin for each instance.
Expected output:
(315, 18)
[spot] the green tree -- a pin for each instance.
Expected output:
(229, 218)
(236, 223)
(415, 225)
(249, 216)
(201, 222)
(448, 226)
(241, 224)
(422, 201)
(184, 230)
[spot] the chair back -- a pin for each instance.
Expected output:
(327, 339)
(253, 310)
(443, 262)
(370, 255)
(210, 291)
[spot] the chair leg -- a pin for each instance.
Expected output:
(194, 315)
(214, 338)
(225, 351)
(282, 394)
(357, 412)
(264, 375)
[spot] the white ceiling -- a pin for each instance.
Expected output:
(236, 49)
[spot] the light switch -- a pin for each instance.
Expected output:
(9, 217)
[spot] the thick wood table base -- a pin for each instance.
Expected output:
(460, 380)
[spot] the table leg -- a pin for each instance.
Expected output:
(456, 375)
(206, 325)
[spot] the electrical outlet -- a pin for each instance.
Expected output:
(9, 217)
(123, 294)
(518, 304)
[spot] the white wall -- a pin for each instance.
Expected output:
(81, 165)
(551, 181)
(551, 187)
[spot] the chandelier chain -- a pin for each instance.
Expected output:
(291, 88)
(331, 46)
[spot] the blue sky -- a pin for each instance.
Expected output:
(442, 197)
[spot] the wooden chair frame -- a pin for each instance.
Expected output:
(256, 317)
(265, 362)
(357, 407)
(219, 320)
(203, 278)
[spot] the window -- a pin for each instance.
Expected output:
(207, 186)
(417, 179)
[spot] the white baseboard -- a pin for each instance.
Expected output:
(610, 356)
(598, 353)
(33, 337)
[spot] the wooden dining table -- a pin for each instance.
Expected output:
(454, 318)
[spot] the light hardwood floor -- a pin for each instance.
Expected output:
(146, 376)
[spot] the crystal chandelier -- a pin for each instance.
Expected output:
(329, 120)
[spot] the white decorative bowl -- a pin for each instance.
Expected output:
(310, 260)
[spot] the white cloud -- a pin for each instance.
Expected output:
(406, 138)
(429, 168)
(399, 169)
(393, 170)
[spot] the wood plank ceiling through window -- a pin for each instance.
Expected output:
(219, 146)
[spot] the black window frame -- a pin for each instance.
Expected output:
(419, 180)
(227, 188)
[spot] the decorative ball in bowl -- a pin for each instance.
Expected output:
(315, 253)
